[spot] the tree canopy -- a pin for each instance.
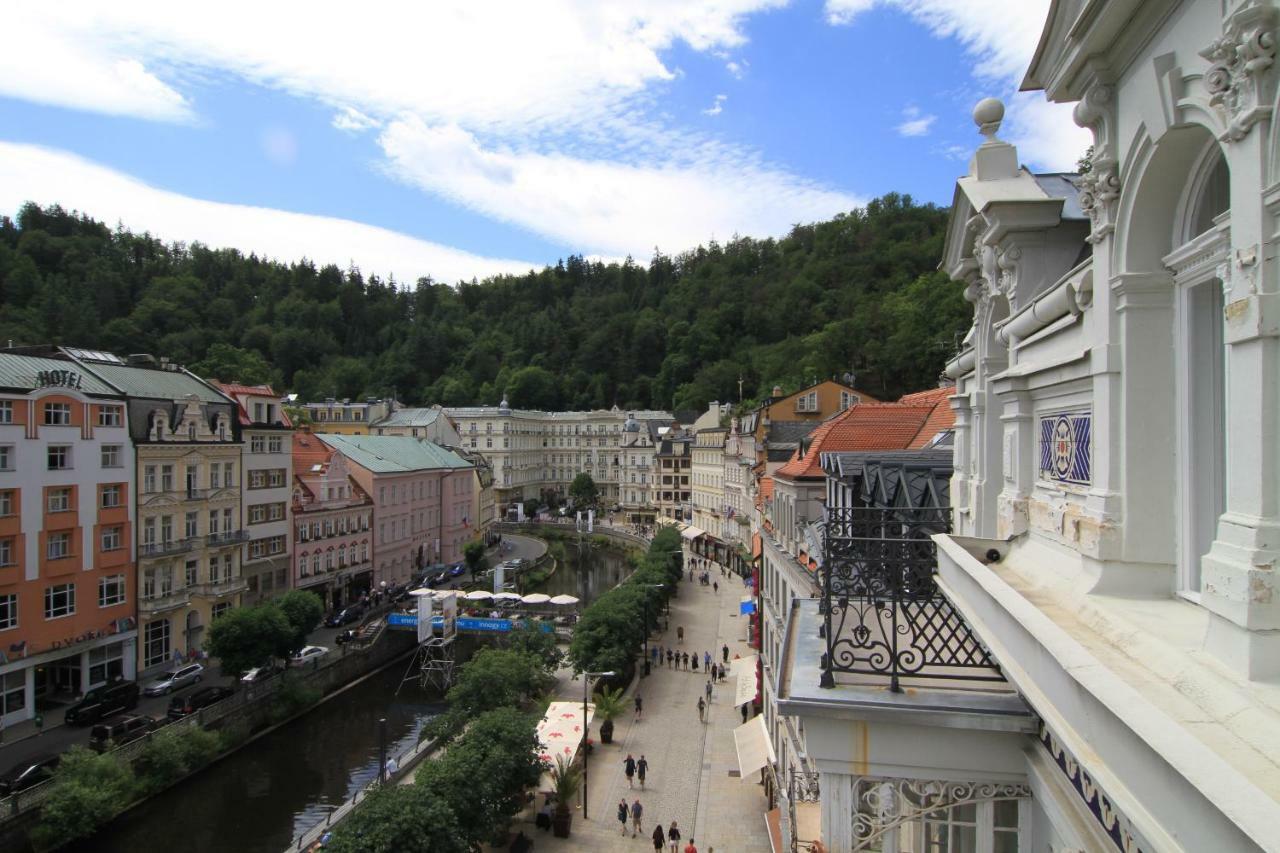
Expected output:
(583, 490)
(857, 293)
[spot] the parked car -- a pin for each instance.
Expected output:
(344, 637)
(456, 570)
(103, 701)
(437, 578)
(259, 673)
(345, 616)
(175, 679)
(181, 706)
(120, 731)
(309, 653)
(31, 772)
(397, 592)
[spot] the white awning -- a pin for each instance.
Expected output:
(738, 664)
(560, 733)
(754, 750)
(692, 532)
(744, 688)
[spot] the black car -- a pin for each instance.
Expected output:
(181, 706)
(103, 701)
(345, 616)
(437, 578)
(31, 772)
(119, 732)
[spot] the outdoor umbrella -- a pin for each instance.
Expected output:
(506, 596)
(421, 591)
(478, 595)
(564, 599)
(536, 598)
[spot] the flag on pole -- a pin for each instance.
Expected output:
(591, 520)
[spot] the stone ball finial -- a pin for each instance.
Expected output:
(987, 115)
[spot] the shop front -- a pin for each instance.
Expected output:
(42, 683)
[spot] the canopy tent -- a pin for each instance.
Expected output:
(478, 595)
(536, 598)
(754, 749)
(560, 733)
(564, 599)
(692, 532)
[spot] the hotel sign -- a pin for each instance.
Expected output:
(58, 379)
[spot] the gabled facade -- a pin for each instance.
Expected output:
(332, 520)
(812, 405)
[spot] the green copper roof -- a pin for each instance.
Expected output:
(155, 384)
(23, 371)
(393, 454)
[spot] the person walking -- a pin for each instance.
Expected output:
(637, 812)
(659, 838)
(690, 847)
(622, 814)
(639, 708)
(684, 657)
(724, 652)
(673, 835)
(702, 710)
(707, 690)
(744, 712)
(680, 634)
(642, 767)
(629, 767)
(706, 660)
(715, 585)
(670, 654)
(660, 652)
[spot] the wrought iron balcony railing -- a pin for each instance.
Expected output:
(882, 612)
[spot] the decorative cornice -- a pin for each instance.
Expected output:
(1241, 80)
(1118, 827)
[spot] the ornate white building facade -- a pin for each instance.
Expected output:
(1094, 663)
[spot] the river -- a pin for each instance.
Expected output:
(262, 797)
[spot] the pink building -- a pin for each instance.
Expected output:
(332, 524)
(421, 495)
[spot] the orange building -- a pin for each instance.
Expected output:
(67, 586)
(811, 405)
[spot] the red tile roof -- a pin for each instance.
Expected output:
(867, 426)
(942, 418)
(234, 390)
(309, 450)
(766, 491)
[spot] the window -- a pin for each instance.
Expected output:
(111, 538)
(6, 502)
(8, 611)
(166, 478)
(219, 609)
(213, 522)
(256, 444)
(275, 477)
(191, 525)
(191, 572)
(258, 413)
(275, 545)
(149, 480)
(228, 475)
(111, 590)
(257, 548)
(58, 545)
(59, 457)
(106, 663)
(109, 416)
(6, 457)
(57, 414)
(157, 583)
(111, 456)
(148, 532)
(257, 514)
(275, 512)
(59, 600)
(226, 520)
(257, 479)
(59, 499)
(215, 478)
(275, 444)
(6, 411)
(155, 642)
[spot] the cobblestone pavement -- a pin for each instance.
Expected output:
(689, 761)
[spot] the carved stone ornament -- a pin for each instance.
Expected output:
(1100, 186)
(1007, 260)
(1241, 80)
(882, 804)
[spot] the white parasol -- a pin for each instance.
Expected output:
(564, 599)
(536, 598)
(478, 595)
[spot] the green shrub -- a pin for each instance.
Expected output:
(171, 754)
(88, 790)
(292, 697)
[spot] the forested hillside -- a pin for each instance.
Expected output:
(859, 293)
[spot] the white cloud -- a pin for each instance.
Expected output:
(616, 208)
(1001, 36)
(45, 176)
(716, 107)
(352, 120)
(737, 68)
(914, 123)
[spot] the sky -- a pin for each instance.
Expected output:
(458, 140)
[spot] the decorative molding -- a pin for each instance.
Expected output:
(1114, 822)
(1100, 186)
(1241, 80)
(885, 803)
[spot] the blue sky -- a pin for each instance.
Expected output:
(466, 139)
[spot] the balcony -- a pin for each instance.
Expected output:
(882, 613)
(216, 589)
(197, 494)
(166, 548)
(229, 537)
(162, 602)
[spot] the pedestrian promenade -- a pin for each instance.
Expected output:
(689, 761)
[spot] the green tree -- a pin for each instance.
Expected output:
(533, 388)
(401, 819)
(229, 363)
(583, 491)
(246, 637)
(88, 789)
(529, 638)
(494, 678)
(303, 610)
(167, 756)
(474, 554)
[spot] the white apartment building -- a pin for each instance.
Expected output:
(739, 487)
(1090, 660)
(706, 475)
(539, 453)
(266, 433)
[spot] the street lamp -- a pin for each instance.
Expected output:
(382, 750)
(645, 603)
(586, 688)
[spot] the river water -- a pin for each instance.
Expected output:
(262, 797)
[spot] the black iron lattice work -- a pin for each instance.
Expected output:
(882, 612)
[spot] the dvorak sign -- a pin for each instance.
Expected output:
(58, 379)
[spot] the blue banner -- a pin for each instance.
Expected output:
(747, 607)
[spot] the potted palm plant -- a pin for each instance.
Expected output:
(608, 706)
(566, 780)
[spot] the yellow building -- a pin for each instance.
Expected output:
(347, 417)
